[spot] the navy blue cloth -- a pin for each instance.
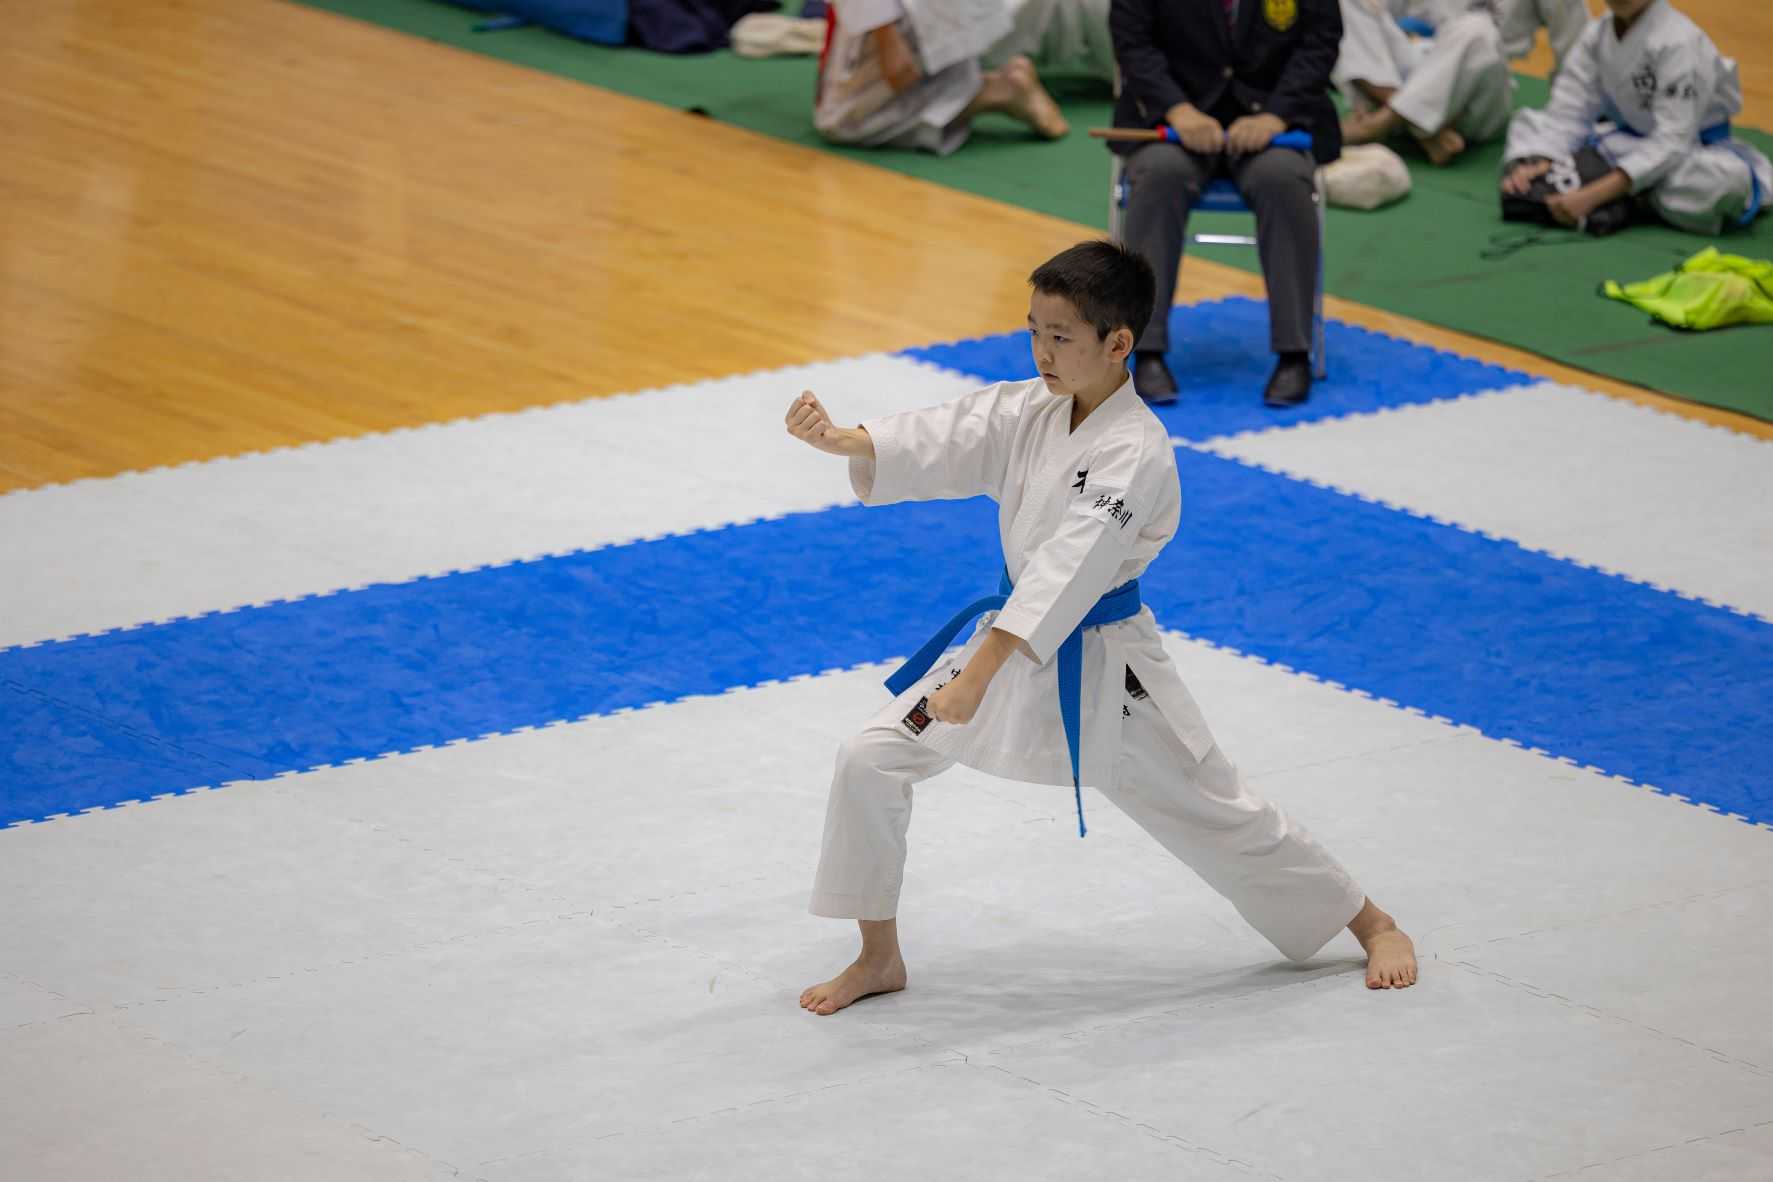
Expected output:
(1119, 604)
(688, 26)
(666, 26)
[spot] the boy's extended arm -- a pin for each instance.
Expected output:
(809, 422)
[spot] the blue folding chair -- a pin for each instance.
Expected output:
(1221, 196)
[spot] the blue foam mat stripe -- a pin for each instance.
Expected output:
(1642, 683)
(1219, 355)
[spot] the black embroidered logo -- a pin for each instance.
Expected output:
(1117, 508)
(1134, 689)
(1643, 81)
(919, 718)
(1081, 477)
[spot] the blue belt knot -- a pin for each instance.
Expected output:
(1119, 604)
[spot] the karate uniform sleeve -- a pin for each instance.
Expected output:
(1144, 70)
(956, 450)
(1081, 559)
(1307, 73)
(862, 16)
(1681, 80)
(1569, 116)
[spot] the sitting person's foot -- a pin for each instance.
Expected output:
(1153, 380)
(1290, 384)
(1369, 127)
(1029, 100)
(1441, 147)
(853, 984)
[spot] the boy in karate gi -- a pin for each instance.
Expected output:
(874, 89)
(1067, 682)
(1666, 96)
(1452, 89)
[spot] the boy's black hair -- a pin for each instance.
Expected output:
(1109, 285)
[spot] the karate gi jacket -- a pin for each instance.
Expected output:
(1079, 513)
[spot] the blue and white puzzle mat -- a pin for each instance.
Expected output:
(1573, 574)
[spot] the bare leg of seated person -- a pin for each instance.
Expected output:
(1015, 90)
(1381, 123)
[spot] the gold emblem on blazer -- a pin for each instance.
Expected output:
(1280, 14)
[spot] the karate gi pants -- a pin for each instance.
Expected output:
(1280, 879)
(1164, 181)
(1705, 192)
(1459, 78)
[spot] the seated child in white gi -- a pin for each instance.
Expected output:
(1655, 96)
(874, 91)
(1448, 91)
(1068, 681)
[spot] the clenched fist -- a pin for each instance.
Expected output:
(808, 420)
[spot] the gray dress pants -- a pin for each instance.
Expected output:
(1163, 183)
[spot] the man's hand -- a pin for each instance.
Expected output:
(897, 63)
(807, 420)
(1252, 133)
(1521, 176)
(959, 700)
(1198, 131)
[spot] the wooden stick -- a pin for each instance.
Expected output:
(1125, 133)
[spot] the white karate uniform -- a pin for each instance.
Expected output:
(1658, 89)
(854, 103)
(1521, 20)
(1079, 513)
(1457, 78)
(1063, 36)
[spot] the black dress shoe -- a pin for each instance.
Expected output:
(1153, 380)
(1290, 384)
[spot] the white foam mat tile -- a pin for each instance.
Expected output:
(94, 1097)
(645, 804)
(1733, 1155)
(1470, 839)
(24, 1003)
(1599, 480)
(139, 547)
(580, 810)
(1458, 1078)
(1693, 968)
(948, 1121)
(134, 905)
(517, 1042)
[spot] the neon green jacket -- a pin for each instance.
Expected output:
(1709, 290)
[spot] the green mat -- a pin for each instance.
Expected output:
(1420, 258)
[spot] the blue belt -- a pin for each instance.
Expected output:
(1119, 604)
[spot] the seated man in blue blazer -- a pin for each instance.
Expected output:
(1229, 76)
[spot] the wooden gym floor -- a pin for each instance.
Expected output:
(228, 227)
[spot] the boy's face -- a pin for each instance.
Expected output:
(1067, 351)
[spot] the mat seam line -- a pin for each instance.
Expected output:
(1597, 1012)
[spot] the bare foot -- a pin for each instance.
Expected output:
(1029, 100)
(1369, 127)
(1442, 146)
(1391, 958)
(853, 984)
